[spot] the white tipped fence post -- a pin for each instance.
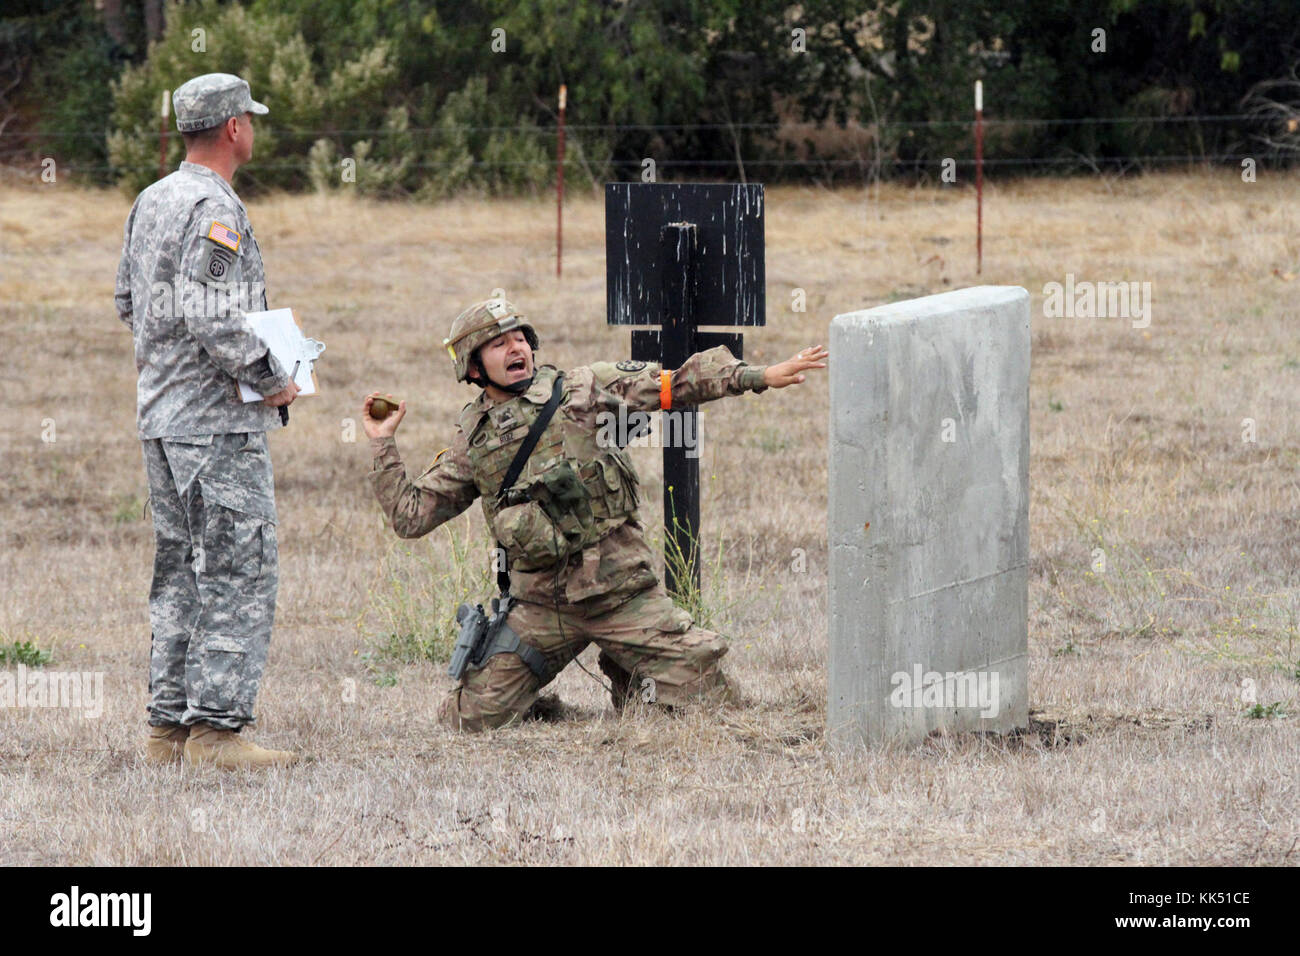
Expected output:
(162, 133)
(559, 185)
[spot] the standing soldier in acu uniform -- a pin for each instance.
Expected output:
(581, 570)
(190, 270)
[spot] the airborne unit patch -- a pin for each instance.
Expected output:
(217, 265)
(220, 259)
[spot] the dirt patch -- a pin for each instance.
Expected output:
(1048, 731)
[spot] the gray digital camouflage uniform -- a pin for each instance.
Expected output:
(588, 576)
(190, 269)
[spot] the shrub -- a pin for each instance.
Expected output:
(269, 52)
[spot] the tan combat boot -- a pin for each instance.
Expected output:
(227, 750)
(166, 744)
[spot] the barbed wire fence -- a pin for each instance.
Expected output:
(21, 152)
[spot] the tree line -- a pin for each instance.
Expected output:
(426, 99)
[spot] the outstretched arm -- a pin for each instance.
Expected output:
(415, 508)
(790, 372)
(705, 376)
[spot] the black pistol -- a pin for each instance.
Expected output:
(473, 629)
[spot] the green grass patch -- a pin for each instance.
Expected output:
(24, 652)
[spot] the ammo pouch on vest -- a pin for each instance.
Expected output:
(545, 520)
(562, 509)
(482, 636)
(529, 537)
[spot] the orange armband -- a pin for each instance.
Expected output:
(665, 389)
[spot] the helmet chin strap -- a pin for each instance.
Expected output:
(518, 388)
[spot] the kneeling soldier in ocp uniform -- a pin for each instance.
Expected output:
(580, 568)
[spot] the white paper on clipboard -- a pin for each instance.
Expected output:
(280, 332)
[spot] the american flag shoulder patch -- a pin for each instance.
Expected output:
(224, 235)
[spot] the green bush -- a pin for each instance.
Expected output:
(466, 152)
(56, 62)
(381, 167)
(269, 52)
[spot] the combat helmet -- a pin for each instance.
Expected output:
(480, 324)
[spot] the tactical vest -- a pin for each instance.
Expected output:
(571, 493)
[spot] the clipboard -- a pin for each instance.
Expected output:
(279, 329)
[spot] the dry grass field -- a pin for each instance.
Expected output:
(1142, 749)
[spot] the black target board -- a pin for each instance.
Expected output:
(728, 254)
(680, 256)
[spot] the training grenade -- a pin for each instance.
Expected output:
(381, 408)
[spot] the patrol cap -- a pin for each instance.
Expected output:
(211, 99)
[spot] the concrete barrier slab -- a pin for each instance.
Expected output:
(929, 517)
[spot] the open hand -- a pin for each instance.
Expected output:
(790, 372)
(386, 428)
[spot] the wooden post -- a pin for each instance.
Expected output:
(162, 134)
(559, 187)
(677, 344)
(979, 177)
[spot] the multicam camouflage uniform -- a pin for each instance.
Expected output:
(587, 576)
(211, 487)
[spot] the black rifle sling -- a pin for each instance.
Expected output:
(521, 459)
